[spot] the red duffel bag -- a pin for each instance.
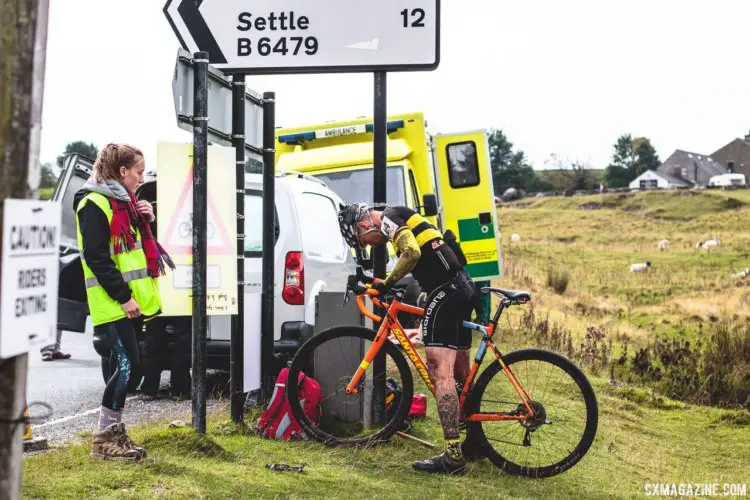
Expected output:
(418, 406)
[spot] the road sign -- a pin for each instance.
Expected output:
(219, 106)
(174, 193)
(300, 36)
(30, 275)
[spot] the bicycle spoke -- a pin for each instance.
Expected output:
(555, 436)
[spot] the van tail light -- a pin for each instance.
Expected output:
(294, 279)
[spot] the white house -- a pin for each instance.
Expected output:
(650, 179)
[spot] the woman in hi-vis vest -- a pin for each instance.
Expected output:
(121, 262)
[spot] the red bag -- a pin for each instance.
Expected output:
(277, 422)
(418, 406)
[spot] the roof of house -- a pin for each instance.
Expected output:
(669, 178)
(736, 151)
(696, 168)
(673, 180)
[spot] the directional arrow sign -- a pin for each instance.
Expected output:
(303, 36)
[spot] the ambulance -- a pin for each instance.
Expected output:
(446, 177)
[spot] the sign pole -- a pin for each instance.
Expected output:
(380, 254)
(237, 343)
(269, 240)
(200, 216)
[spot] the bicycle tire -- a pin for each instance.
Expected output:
(592, 413)
(304, 354)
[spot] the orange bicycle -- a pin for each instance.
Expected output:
(524, 426)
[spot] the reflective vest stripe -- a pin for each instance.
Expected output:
(137, 246)
(128, 276)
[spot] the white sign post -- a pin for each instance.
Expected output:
(30, 275)
(301, 36)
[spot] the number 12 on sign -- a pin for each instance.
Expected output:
(416, 16)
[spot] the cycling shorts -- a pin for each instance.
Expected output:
(446, 308)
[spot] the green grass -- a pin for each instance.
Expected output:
(642, 438)
(45, 193)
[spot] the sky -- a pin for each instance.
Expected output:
(558, 77)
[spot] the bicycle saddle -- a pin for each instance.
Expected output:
(514, 295)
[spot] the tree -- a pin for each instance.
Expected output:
(509, 168)
(576, 172)
(631, 157)
(49, 179)
(80, 147)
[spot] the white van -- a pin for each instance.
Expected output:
(310, 255)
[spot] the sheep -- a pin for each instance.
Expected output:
(515, 237)
(640, 267)
(663, 245)
(742, 274)
(708, 244)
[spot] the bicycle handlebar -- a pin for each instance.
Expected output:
(363, 308)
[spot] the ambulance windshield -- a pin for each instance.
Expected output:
(356, 185)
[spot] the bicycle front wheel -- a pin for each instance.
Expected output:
(332, 358)
(565, 414)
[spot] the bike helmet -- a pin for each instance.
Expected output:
(349, 216)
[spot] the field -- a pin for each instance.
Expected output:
(668, 353)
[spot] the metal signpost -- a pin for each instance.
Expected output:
(253, 37)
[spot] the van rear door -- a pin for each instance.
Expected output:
(466, 199)
(72, 307)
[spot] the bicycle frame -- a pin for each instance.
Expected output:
(391, 324)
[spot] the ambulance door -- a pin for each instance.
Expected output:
(466, 199)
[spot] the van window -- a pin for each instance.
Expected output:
(356, 185)
(414, 192)
(320, 227)
(254, 223)
(463, 166)
(68, 222)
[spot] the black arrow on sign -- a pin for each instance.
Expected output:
(199, 31)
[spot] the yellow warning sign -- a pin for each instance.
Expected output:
(174, 195)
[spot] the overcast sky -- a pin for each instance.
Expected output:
(564, 77)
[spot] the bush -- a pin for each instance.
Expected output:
(716, 372)
(558, 280)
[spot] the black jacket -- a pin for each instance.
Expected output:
(96, 253)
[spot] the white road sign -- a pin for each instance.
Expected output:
(303, 36)
(30, 275)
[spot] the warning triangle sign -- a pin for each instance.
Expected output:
(179, 238)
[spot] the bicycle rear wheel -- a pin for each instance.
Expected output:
(564, 404)
(335, 354)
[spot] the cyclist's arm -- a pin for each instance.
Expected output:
(96, 253)
(410, 254)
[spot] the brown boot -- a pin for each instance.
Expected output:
(131, 444)
(110, 444)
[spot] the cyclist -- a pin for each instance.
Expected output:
(437, 265)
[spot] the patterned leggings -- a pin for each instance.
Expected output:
(118, 342)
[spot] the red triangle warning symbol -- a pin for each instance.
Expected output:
(179, 238)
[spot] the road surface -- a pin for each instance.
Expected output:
(73, 389)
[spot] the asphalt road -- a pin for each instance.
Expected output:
(73, 389)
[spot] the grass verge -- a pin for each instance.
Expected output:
(642, 438)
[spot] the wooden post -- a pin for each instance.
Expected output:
(18, 75)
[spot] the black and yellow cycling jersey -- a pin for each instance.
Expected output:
(420, 248)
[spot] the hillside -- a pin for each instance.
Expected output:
(589, 242)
